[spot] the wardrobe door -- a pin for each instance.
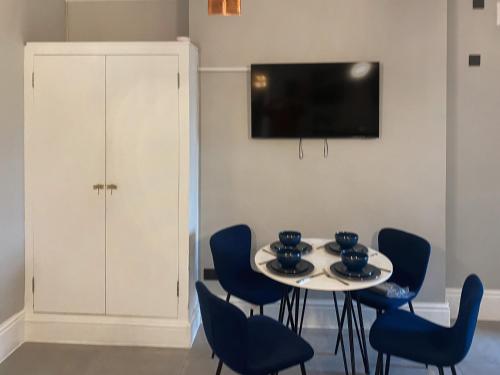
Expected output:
(143, 185)
(65, 149)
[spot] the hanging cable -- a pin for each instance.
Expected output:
(301, 150)
(325, 149)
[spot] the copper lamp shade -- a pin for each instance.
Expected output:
(224, 7)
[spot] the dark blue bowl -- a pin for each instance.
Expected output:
(289, 258)
(355, 261)
(346, 240)
(290, 238)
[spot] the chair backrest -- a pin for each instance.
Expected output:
(231, 249)
(409, 255)
(465, 326)
(225, 328)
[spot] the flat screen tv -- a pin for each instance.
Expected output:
(330, 100)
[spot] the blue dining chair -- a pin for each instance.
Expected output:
(250, 346)
(409, 255)
(231, 249)
(405, 335)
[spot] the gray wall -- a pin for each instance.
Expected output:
(398, 180)
(141, 20)
(473, 213)
(20, 21)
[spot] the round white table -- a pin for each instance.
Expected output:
(321, 279)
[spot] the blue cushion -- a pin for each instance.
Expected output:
(273, 347)
(378, 301)
(403, 334)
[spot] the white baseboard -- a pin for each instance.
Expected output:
(11, 335)
(320, 313)
(117, 331)
(490, 305)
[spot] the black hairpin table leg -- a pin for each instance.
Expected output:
(340, 337)
(303, 311)
(297, 309)
(349, 312)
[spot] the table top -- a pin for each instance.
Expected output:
(322, 259)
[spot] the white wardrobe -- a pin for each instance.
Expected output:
(111, 174)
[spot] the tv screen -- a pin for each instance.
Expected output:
(315, 100)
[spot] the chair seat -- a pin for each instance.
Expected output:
(256, 288)
(378, 301)
(408, 336)
(273, 347)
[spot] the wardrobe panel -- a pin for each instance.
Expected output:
(65, 159)
(142, 163)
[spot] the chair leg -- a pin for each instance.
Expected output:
(411, 307)
(261, 310)
(303, 369)
(219, 368)
(251, 313)
(380, 364)
(387, 364)
(453, 370)
(441, 371)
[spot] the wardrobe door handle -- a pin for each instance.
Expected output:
(98, 187)
(112, 187)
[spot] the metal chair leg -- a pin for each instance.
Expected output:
(303, 369)
(411, 307)
(377, 365)
(219, 368)
(387, 364)
(380, 364)
(453, 370)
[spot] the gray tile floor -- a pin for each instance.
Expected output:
(51, 359)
